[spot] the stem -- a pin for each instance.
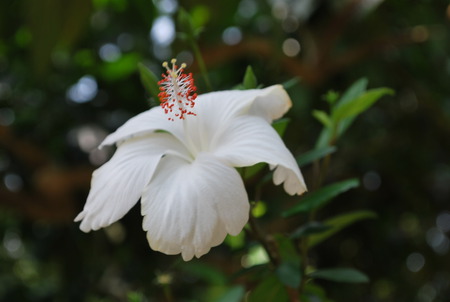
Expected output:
(322, 171)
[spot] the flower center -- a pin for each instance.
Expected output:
(177, 91)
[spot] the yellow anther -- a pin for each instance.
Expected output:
(173, 61)
(165, 64)
(183, 65)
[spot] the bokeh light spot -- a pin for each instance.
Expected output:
(163, 31)
(13, 182)
(109, 52)
(371, 181)
(84, 90)
(291, 47)
(443, 221)
(232, 35)
(415, 262)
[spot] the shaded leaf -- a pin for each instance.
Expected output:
(289, 274)
(310, 228)
(271, 289)
(337, 223)
(291, 83)
(321, 197)
(313, 293)
(234, 294)
(310, 156)
(258, 270)
(349, 275)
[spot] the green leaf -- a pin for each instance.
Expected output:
(310, 228)
(349, 275)
(289, 274)
(321, 197)
(313, 155)
(324, 138)
(351, 93)
(360, 104)
(250, 81)
(291, 83)
(354, 91)
(322, 117)
(271, 289)
(234, 294)
(149, 80)
(331, 97)
(338, 223)
(281, 125)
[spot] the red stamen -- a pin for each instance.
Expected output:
(177, 89)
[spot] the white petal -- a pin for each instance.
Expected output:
(190, 207)
(250, 140)
(144, 123)
(271, 104)
(117, 185)
(215, 110)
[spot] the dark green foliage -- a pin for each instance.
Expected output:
(344, 124)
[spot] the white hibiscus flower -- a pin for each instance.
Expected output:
(182, 166)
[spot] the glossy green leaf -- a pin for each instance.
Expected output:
(338, 223)
(322, 117)
(310, 228)
(310, 156)
(271, 289)
(149, 80)
(321, 197)
(234, 294)
(249, 81)
(360, 104)
(349, 275)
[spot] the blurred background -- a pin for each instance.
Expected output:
(68, 77)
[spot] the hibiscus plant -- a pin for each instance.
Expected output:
(188, 161)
